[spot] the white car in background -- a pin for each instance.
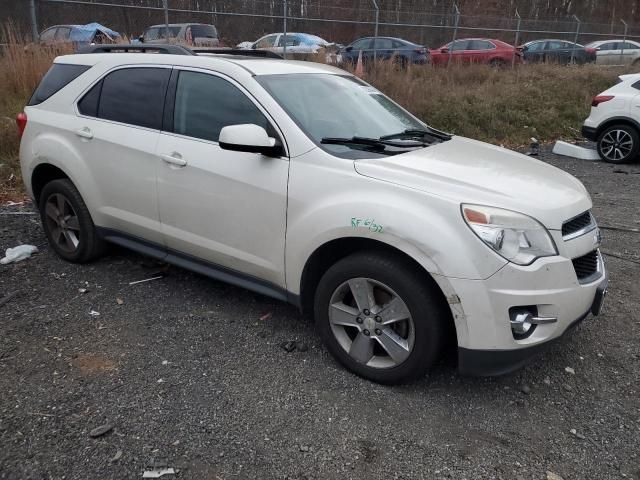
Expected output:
(302, 182)
(297, 43)
(616, 52)
(614, 122)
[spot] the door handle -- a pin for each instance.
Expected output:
(174, 159)
(85, 133)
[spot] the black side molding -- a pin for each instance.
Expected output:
(188, 262)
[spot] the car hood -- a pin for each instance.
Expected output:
(467, 171)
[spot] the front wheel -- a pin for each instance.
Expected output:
(380, 317)
(619, 144)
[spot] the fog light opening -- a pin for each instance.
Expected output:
(521, 319)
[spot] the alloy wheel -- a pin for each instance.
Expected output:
(371, 323)
(62, 222)
(616, 145)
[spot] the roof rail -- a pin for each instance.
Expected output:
(142, 48)
(236, 51)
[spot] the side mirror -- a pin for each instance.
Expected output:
(141, 38)
(254, 46)
(348, 49)
(249, 138)
(444, 50)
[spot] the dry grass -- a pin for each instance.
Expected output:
(22, 65)
(501, 106)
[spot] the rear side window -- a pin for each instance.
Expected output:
(58, 77)
(131, 95)
(205, 104)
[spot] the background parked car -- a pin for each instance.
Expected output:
(296, 43)
(556, 51)
(78, 35)
(616, 52)
(476, 50)
(189, 34)
(384, 48)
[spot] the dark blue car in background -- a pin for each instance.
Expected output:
(385, 48)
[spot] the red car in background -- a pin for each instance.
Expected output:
(476, 50)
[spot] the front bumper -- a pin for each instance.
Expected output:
(486, 343)
(483, 363)
(590, 133)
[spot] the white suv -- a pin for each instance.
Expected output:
(614, 121)
(302, 182)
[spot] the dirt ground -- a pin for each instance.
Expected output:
(191, 373)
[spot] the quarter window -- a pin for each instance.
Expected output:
(205, 104)
(58, 77)
(131, 95)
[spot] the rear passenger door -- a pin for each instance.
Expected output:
(223, 207)
(116, 132)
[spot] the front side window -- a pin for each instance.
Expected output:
(58, 77)
(607, 46)
(134, 96)
(293, 40)
(362, 44)
(336, 106)
(556, 45)
(266, 42)
(48, 34)
(459, 45)
(480, 45)
(205, 104)
(63, 33)
(383, 43)
(536, 47)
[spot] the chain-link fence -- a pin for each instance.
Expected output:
(334, 20)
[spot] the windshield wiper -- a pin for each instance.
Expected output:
(413, 133)
(375, 143)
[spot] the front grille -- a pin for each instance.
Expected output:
(586, 266)
(576, 224)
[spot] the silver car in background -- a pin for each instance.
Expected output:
(616, 52)
(188, 34)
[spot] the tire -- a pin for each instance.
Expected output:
(497, 63)
(355, 335)
(68, 224)
(619, 144)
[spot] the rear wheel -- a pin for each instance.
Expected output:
(380, 317)
(497, 63)
(68, 224)
(619, 144)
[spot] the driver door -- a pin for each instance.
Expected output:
(221, 208)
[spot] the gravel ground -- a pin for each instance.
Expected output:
(191, 373)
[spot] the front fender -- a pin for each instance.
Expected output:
(427, 228)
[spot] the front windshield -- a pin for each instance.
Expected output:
(335, 106)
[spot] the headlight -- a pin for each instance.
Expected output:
(515, 236)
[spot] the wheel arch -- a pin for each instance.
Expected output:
(618, 121)
(334, 250)
(43, 174)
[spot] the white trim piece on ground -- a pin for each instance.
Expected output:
(575, 151)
